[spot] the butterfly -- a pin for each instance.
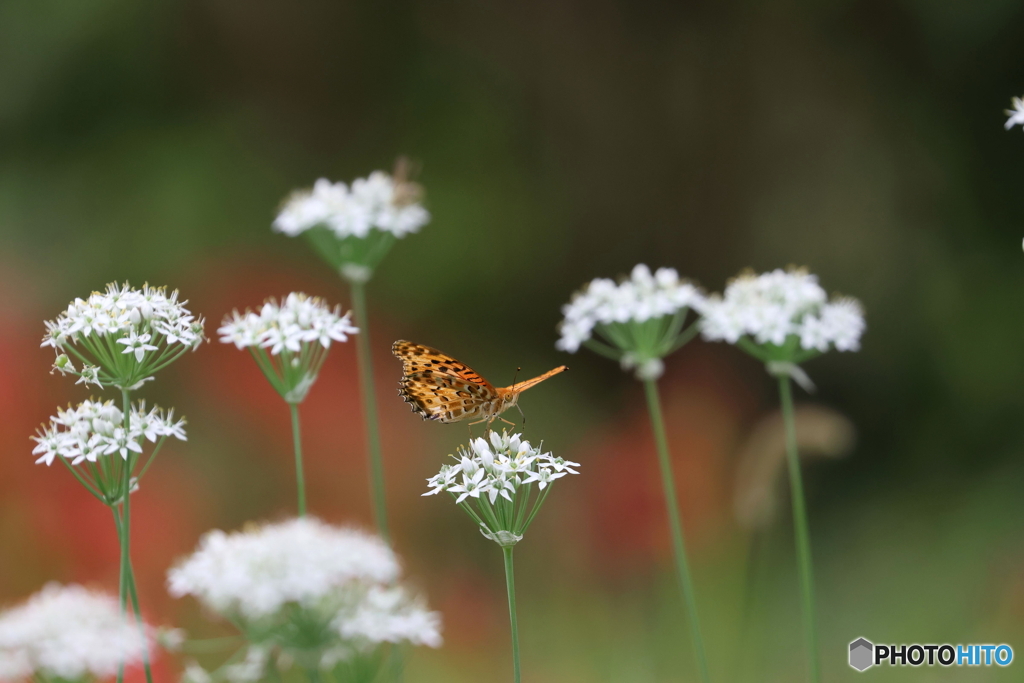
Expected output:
(444, 389)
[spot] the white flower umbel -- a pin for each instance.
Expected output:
(304, 592)
(782, 318)
(289, 342)
(67, 633)
(353, 227)
(637, 321)
(90, 439)
(501, 483)
(1016, 115)
(123, 336)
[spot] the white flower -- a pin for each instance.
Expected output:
(303, 592)
(149, 317)
(136, 344)
(771, 307)
(67, 632)
(298, 320)
(256, 572)
(377, 202)
(642, 297)
(1016, 114)
(504, 467)
(94, 429)
(389, 615)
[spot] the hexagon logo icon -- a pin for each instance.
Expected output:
(862, 653)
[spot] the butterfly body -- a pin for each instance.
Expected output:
(443, 389)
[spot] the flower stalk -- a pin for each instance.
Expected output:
(801, 530)
(675, 524)
(510, 584)
(368, 390)
(300, 477)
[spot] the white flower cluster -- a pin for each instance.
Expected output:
(387, 614)
(343, 578)
(1016, 115)
(255, 572)
(771, 307)
(641, 297)
(498, 468)
(67, 633)
(94, 428)
(378, 201)
(143, 319)
(298, 320)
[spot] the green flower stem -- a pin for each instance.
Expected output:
(124, 531)
(365, 357)
(300, 478)
(800, 527)
(510, 582)
(668, 482)
(133, 593)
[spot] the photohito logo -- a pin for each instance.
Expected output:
(864, 654)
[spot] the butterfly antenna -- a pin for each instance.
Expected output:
(514, 378)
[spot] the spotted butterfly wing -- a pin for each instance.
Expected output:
(439, 387)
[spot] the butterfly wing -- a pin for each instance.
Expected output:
(439, 387)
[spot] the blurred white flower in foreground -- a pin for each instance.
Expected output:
(303, 591)
(68, 633)
(379, 202)
(123, 335)
(783, 307)
(1016, 115)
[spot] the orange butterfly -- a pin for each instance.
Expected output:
(443, 389)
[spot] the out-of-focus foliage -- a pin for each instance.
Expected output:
(559, 142)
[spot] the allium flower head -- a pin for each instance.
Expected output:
(289, 339)
(67, 633)
(354, 226)
(94, 430)
(1016, 115)
(256, 572)
(122, 336)
(377, 202)
(501, 482)
(305, 592)
(780, 309)
(637, 321)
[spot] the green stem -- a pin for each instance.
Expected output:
(679, 545)
(124, 528)
(365, 358)
(300, 478)
(510, 582)
(800, 527)
(135, 602)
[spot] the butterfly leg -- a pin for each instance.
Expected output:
(522, 414)
(507, 422)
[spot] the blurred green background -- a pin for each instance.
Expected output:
(559, 141)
